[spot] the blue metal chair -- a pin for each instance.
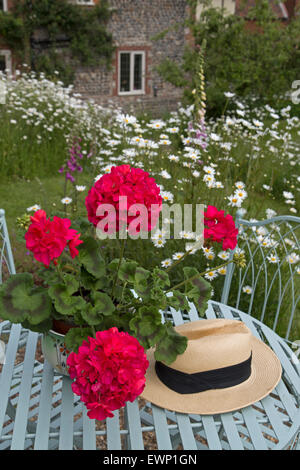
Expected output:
(272, 251)
(268, 288)
(8, 332)
(7, 265)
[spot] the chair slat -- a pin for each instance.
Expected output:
(289, 369)
(43, 423)
(67, 411)
(113, 432)
(161, 428)
(7, 371)
(254, 429)
(24, 395)
(89, 431)
(134, 426)
(186, 432)
(212, 436)
(232, 434)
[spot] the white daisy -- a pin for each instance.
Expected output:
(167, 196)
(166, 263)
(66, 200)
(159, 243)
(80, 188)
(247, 290)
(241, 193)
(173, 158)
(224, 255)
(211, 275)
(165, 174)
(234, 201)
(240, 185)
(222, 270)
(177, 255)
(273, 258)
(33, 208)
(292, 258)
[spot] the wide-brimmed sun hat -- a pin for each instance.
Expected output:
(224, 368)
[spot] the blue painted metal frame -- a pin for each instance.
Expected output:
(6, 255)
(267, 238)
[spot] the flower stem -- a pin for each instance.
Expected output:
(122, 248)
(197, 275)
(179, 260)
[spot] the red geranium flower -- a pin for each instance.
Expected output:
(108, 371)
(47, 239)
(220, 228)
(132, 183)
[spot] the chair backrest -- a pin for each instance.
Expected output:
(269, 287)
(6, 256)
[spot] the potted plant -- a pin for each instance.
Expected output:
(83, 293)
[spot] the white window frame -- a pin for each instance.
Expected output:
(84, 2)
(8, 62)
(4, 5)
(132, 53)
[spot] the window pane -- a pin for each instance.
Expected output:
(1, 4)
(125, 71)
(138, 71)
(2, 63)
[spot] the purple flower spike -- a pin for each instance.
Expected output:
(70, 177)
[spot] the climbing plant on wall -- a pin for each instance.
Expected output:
(56, 35)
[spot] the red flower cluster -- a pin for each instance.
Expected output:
(108, 371)
(220, 228)
(132, 183)
(47, 238)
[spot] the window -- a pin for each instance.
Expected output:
(5, 61)
(131, 72)
(228, 5)
(3, 5)
(85, 2)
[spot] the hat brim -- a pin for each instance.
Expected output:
(265, 375)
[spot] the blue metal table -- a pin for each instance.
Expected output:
(38, 409)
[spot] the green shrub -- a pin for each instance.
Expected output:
(261, 61)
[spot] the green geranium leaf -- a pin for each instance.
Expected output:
(91, 315)
(64, 302)
(178, 300)
(142, 282)
(103, 303)
(42, 327)
(170, 345)
(189, 272)
(127, 271)
(76, 336)
(90, 282)
(198, 290)
(160, 278)
(158, 295)
(90, 257)
(147, 326)
(21, 300)
(113, 265)
(49, 276)
(141, 274)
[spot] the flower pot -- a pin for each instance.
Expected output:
(55, 351)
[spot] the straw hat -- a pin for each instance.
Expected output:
(224, 368)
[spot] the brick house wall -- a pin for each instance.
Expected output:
(133, 25)
(5, 53)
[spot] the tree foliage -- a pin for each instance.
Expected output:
(257, 56)
(62, 25)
